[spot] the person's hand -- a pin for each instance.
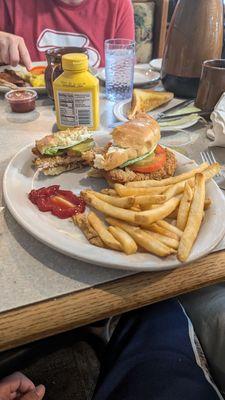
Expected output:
(18, 386)
(13, 50)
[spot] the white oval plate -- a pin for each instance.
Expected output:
(122, 108)
(19, 68)
(63, 236)
(140, 76)
(156, 64)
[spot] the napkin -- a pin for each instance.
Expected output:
(217, 132)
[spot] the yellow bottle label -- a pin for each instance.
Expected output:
(75, 108)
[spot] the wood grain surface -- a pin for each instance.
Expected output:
(47, 318)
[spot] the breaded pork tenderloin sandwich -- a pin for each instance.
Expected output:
(63, 150)
(134, 153)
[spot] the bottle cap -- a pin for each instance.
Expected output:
(75, 62)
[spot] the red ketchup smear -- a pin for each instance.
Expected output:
(62, 203)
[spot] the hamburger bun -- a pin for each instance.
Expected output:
(142, 133)
(133, 139)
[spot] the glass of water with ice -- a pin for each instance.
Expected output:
(119, 68)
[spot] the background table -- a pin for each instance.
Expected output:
(44, 292)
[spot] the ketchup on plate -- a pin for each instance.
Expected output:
(62, 203)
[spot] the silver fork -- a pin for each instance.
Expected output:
(208, 156)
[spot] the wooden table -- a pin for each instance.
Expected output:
(41, 293)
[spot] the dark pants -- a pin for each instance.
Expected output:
(150, 357)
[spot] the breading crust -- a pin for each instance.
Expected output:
(124, 176)
(81, 221)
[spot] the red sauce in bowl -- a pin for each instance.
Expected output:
(62, 203)
(21, 101)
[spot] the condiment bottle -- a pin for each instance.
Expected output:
(195, 35)
(76, 94)
(54, 67)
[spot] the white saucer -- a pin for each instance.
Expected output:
(142, 75)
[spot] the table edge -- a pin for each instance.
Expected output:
(69, 311)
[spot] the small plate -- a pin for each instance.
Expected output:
(19, 68)
(122, 108)
(142, 76)
(156, 64)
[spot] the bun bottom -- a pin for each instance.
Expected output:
(123, 176)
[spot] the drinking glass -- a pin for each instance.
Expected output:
(119, 69)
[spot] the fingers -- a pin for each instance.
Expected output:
(13, 50)
(4, 51)
(24, 55)
(36, 394)
(14, 56)
(18, 382)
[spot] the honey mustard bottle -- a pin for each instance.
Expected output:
(76, 94)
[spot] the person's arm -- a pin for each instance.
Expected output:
(18, 386)
(13, 49)
(125, 20)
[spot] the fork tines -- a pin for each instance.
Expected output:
(208, 156)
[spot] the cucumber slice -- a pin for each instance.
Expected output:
(134, 160)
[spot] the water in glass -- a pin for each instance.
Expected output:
(120, 59)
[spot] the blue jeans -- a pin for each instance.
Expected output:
(152, 356)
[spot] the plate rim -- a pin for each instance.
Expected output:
(107, 264)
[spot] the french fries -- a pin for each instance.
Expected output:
(121, 202)
(139, 214)
(168, 241)
(124, 191)
(169, 227)
(163, 231)
(146, 218)
(184, 207)
(145, 201)
(207, 205)
(92, 236)
(194, 219)
(109, 192)
(126, 241)
(211, 171)
(108, 209)
(103, 233)
(142, 238)
(169, 181)
(178, 188)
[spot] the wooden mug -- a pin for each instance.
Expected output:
(212, 84)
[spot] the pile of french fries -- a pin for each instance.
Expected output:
(159, 217)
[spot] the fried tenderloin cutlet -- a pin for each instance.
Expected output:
(55, 165)
(123, 176)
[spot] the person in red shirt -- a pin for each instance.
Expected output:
(29, 28)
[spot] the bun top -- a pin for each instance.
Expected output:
(63, 139)
(141, 133)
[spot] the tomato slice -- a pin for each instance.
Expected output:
(38, 70)
(150, 164)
